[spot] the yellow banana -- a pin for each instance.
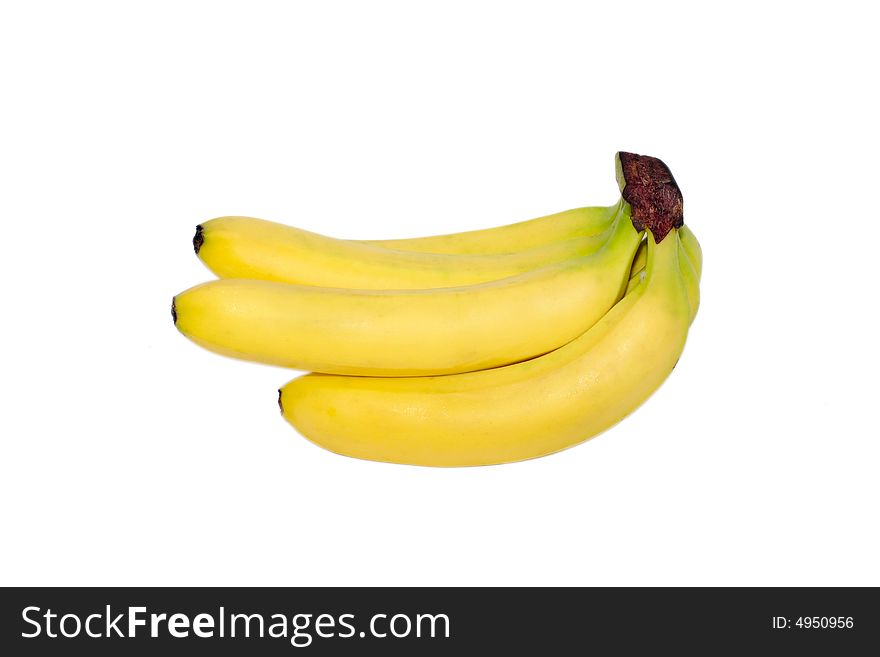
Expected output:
(516, 412)
(242, 247)
(520, 236)
(410, 332)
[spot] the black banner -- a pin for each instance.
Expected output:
(410, 621)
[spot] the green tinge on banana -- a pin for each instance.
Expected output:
(690, 272)
(693, 249)
(512, 238)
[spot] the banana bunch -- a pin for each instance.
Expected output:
(474, 348)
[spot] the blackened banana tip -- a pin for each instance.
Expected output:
(198, 238)
(280, 405)
(174, 310)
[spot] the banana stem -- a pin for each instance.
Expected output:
(646, 183)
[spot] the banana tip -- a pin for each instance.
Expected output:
(198, 238)
(280, 405)
(174, 309)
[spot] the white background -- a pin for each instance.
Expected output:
(131, 456)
